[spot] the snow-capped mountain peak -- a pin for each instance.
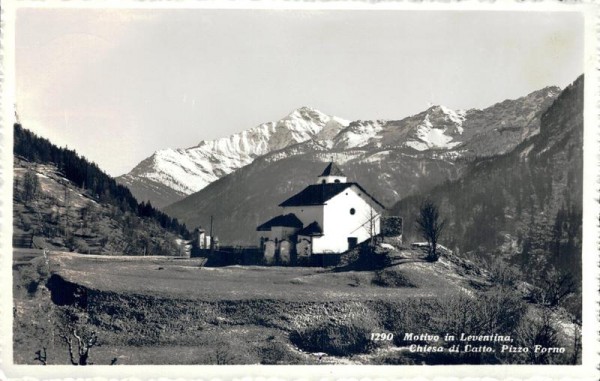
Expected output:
(438, 127)
(188, 170)
(445, 114)
(457, 117)
(359, 134)
(430, 136)
(307, 113)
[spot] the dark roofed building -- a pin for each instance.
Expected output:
(289, 220)
(315, 194)
(313, 229)
(318, 194)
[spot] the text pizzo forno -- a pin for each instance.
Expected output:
(470, 348)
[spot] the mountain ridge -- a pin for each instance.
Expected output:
(170, 175)
(380, 160)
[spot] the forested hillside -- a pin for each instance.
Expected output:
(66, 202)
(524, 206)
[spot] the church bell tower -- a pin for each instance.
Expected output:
(332, 174)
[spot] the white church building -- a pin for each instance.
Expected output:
(330, 216)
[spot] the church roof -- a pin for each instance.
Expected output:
(332, 170)
(311, 229)
(318, 194)
(288, 220)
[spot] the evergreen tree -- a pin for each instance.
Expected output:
(31, 185)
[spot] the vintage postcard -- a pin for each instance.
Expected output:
(299, 190)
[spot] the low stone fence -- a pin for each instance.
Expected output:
(254, 256)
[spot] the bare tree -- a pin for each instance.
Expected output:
(558, 286)
(372, 219)
(554, 287)
(223, 355)
(84, 344)
(539, 329)
(431, 227)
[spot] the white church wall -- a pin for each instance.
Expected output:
(339, 223)
(323, 245)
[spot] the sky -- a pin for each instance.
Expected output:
(117, 85)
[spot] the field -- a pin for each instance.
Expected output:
(189, 279)
(168, 310)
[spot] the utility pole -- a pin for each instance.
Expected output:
(212, 238)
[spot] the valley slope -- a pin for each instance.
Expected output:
(62, 201)
(526, 205)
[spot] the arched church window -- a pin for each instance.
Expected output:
(323, 181)
(336, 181)
(352, 211)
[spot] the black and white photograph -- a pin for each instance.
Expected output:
(317, 185)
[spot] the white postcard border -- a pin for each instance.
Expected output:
(591, 211)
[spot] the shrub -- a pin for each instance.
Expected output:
(336, 338)
(497, 310)
(554, 288)
(31, 276)
(26, 222)
(275, 352)
(503, 274)
(539, 328)
(368, 259)
(80, 246)
(391, 278)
